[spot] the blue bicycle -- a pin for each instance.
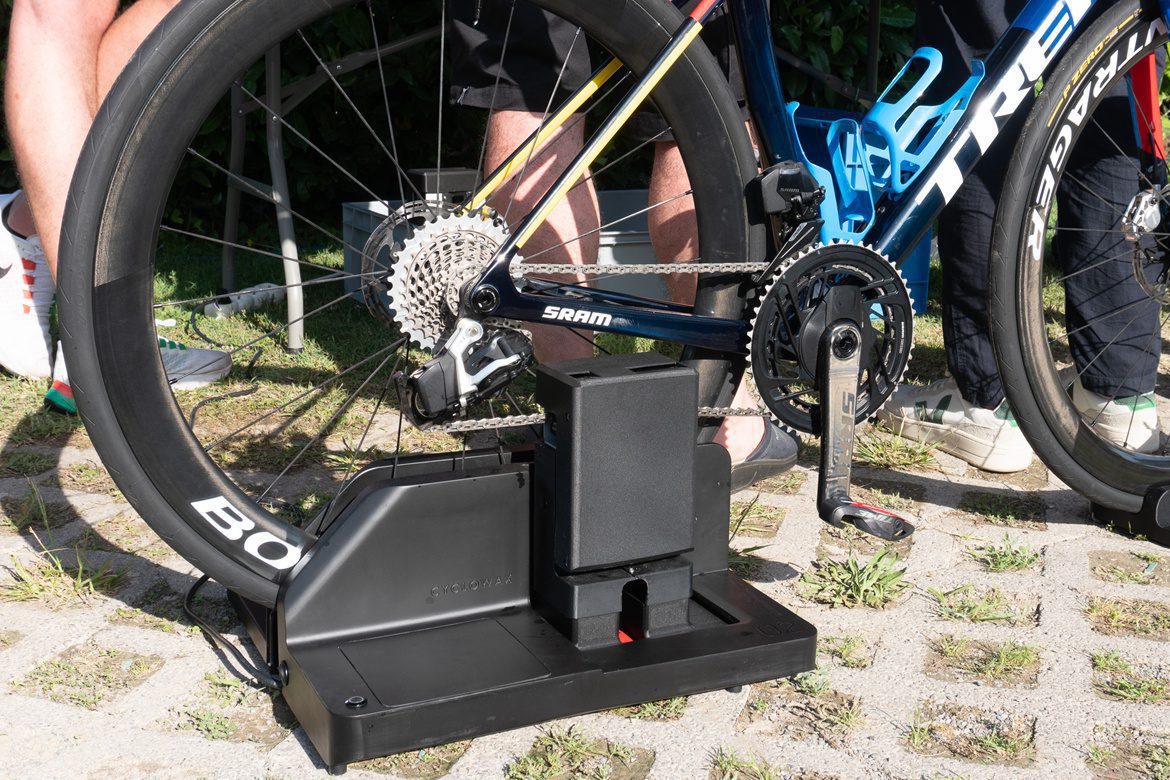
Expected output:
(795, 228)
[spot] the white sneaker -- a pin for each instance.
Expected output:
(1130, 422)
(186, 368)
(937, 414)
(26, 295)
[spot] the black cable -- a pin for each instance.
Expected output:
(258, 676)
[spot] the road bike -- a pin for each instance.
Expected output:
(812, 213)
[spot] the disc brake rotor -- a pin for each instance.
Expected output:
(786, 331)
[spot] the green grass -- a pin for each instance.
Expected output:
(26, 512)
(55, 583)
(559, 753)
(209, 723)
(1095, 755)
(1003, 508)
(880, 448)
(966, 603)
(87, 675)
(996, 663)
(25, 464)
(1005, 556)
(726, 765)
(667, 709)
(846, 650)
(1008, 659)
(1118, 679)
(851, 583)
(754, 518)
(1134, 617)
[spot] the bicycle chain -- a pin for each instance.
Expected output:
(525, 420)
(522, 269)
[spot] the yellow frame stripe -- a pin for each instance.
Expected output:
(599, 143)
(522, 154)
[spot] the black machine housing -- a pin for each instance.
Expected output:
(455, 595)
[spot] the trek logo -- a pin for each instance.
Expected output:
(1090, 85)
(261, 545)
(565, 314)
(993, 111)
(4, 271)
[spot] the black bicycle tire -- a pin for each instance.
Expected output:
(104, 296)
(1040, 403)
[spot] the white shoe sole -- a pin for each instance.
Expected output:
(999, 457)
(1135, 438)
(206, 375)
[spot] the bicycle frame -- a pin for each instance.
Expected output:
(994, 94)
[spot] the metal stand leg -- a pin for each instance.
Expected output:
(280, 196)
(231, 223)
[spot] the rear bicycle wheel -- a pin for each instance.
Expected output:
(228, 474)
(1076, 305)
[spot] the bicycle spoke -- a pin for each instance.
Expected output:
(270, 199)
(386, 103)
(544, 118)
(610, 225)
(360, 116)
(340, 410)
(336, 377)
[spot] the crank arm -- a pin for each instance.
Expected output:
(838, 364)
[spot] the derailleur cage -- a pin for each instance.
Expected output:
(472, 365)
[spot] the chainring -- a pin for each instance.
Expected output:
(429, 270)
(786, 330)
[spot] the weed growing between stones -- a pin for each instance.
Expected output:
(850, 651)
(425, 764)
(997, 737)
(1129, 617)
(1000, 664)
(850, 583)
(1115, 677)
(667, 709)
(560, 753)
(57, 583)
(87, 675)
(1004, 556)
(972, 605)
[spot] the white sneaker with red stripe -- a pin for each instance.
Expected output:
(26, 295)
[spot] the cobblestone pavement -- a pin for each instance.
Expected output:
(1058, 669)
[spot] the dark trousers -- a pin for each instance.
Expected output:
(1112, 325)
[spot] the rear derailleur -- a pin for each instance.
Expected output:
(472, 365)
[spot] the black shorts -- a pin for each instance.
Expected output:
(544, 53)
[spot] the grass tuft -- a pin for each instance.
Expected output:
(881, 448)
(968, 604)
(1005, 556)
(55, 583)
(875, 583)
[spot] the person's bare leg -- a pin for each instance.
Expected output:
(569, 235)
(675, 237)
(62, 57)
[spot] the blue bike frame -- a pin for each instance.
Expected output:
(917, 185)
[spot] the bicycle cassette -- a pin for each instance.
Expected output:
(794, 312)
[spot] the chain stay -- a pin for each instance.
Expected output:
(521, 269)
